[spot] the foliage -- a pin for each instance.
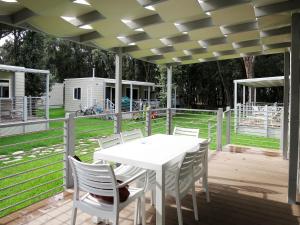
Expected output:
(202, 85)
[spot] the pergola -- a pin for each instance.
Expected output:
(45, 73)
(264, 82)
(168, 32)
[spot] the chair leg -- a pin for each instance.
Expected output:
(195, 203)
(179, 213)
(143, 213)
(137, 212)
(116, 219)
(74, 214)
(205, 184)
(153, 197)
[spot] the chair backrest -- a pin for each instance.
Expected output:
(97, 179)
(131, 135)
(186, 132)
(200, 157)
(110, 141)
(185, 170)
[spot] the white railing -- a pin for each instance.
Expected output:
(34, 165)
(23, 109)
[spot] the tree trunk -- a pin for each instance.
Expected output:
(225, 87)
(249, 67)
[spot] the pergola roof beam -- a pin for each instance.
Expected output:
(277, 31)
(143, 22)
(230, 29)
(277, 8)
(87, 18)
(213, 5)
(193, 25)
(22, 15)
(244, 44)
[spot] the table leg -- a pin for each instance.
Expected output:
(160, 197)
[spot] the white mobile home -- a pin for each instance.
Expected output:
(56, 95)
(15, 106)
(86, 92)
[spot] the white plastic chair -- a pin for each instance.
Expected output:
(134, 135)
(131, 135)
(186, 132)
(201, 166)
(180, 181)
(99, 179)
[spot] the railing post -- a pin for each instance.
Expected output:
(266, 120)
(169, 121)
(25, 108)
(209, 129)
(148, 122)
(69, 142)
(228, 124)
(30, 106)
(219, 129)
(117, 123)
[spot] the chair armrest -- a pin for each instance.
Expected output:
(138, 175)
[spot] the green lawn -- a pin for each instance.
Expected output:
(43, 159)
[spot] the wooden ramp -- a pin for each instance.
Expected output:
(248, 187)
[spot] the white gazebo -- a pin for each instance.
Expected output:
(258, 118)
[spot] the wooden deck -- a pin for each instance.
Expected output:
(248, 187)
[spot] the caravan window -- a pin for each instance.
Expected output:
(77, 93)
(4, 88)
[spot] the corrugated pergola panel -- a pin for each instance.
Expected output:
(262, 82)
(168, 31)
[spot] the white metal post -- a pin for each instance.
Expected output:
(47, 99)
(266, 120)
(254, 97)
(169, 87)
(69, 143)
(175, 96)
(219, 129)
(25, 109)
(285, 123)
(228, 125)
(149, 96)
(244, 100)
(131, 97)
(148, 122)
(169, 100)
(294, 110)
(235, 106)
(104, 94)
(118, 91)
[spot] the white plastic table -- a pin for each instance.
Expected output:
(155, 152)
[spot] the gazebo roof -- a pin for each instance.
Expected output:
(262, 82)
(162, 31)
(22, 69)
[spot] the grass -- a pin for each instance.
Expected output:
(87, 130)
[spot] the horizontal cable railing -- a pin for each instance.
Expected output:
(247, 128)
(31, 165)
(36, 164)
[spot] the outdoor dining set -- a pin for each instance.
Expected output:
(127, 165)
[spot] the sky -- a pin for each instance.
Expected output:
(2, 40)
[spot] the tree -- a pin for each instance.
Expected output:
(249, 67)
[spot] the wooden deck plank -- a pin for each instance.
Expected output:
(247, 188)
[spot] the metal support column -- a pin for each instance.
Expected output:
(169, 100)
(118, 91)
(131, 97)
(285, 124)
(69, 143)
(235, 106)
(294, 110)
